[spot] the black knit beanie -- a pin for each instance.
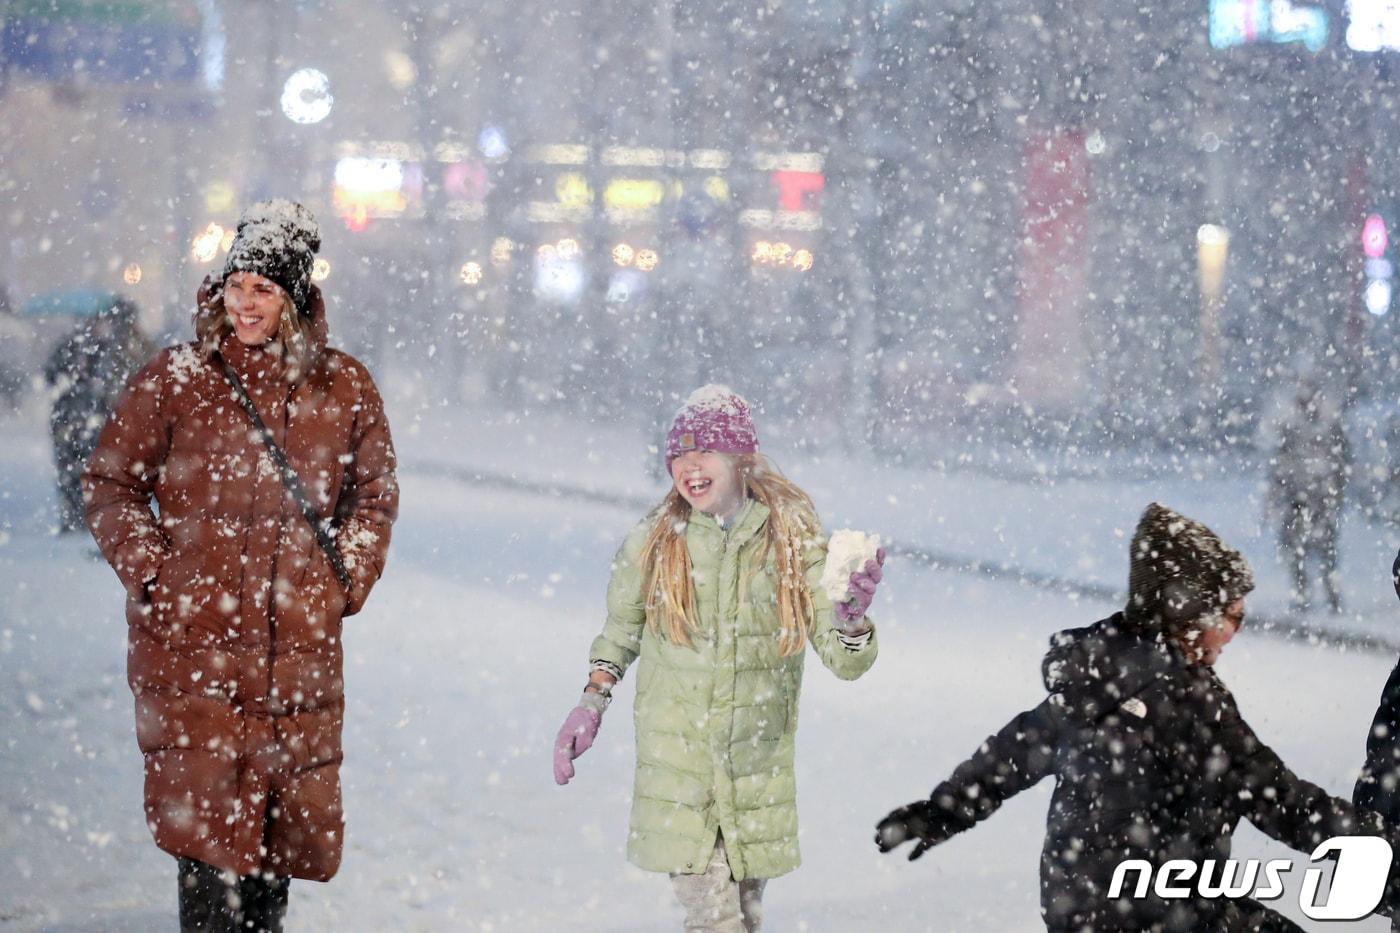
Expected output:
(1180, 570)
(278, 240)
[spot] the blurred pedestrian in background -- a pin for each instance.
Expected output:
(88, 368)
(1307, 485)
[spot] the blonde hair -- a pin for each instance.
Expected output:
(792, 528)
(212, 324)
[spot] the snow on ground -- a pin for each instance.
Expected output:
(473, 648)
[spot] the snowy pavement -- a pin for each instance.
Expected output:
(473, 648)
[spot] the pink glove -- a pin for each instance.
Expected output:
(576, 735)
(862, 592)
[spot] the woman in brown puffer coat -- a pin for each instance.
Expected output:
(234, 609)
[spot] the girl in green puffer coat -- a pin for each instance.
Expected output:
(718, 593)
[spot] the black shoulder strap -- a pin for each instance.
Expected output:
(289, 477)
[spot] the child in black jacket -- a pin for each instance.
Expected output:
(1151, 757)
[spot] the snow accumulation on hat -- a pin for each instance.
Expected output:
(714, 417)
(1179, 569)
(278, 240)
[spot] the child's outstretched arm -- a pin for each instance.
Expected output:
(847, 646)
(1007, 763)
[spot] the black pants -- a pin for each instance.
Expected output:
(212, 901)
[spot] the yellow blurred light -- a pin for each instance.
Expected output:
(802, 260)
(630, 155)
(633, 193)
(781, 252)
(568, 248)
(717, 188)
(622, 254)
(218, 197)
(320, 270)
(572, 190)
(131, 275)
(647, 259)
(402, 71)
(558, 154)
(501, 250)
(472, 273)
(226, 242)
(205, 245)
(763, 252)
(547, 252)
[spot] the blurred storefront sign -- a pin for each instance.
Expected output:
(1246, 22)
(1051, 356)
(157, 41)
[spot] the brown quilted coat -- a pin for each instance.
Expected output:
(233, 611)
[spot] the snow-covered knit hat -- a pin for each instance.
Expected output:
(1180, 570)
(715, 417)
(278, 240)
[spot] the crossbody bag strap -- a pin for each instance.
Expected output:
(289, 477)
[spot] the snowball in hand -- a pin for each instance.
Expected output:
(846, 552)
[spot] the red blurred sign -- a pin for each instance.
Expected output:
(1374, 238)
(795, 189)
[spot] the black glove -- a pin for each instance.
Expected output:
(921, 820)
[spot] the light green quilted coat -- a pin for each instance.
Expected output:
(716, 719)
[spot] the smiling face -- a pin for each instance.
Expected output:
(709, 481)
(255, 306)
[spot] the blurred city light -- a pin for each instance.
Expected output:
(558, 154)
(647, 259)
(1212, 236)
(1374, 238)
(501, 248)
(402, 72)
(624, 285)
(572, 190)
(633, 193)
(1373, 25)
(370, 186)
(1212, 249)
(717, 188)
(568, 248)
(622, 254)
(472, 273)
(219, 197)
(131, 275)
(709, 158)
(556, 279)
(802, 260)
(320, 270)
(1378, 296)
(492, 142)
(1095, 144)
(306, 97)
(206, 243)
(628, 155)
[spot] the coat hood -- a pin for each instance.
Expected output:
(1095, 668)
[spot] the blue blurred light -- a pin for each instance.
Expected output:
(492, 143)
